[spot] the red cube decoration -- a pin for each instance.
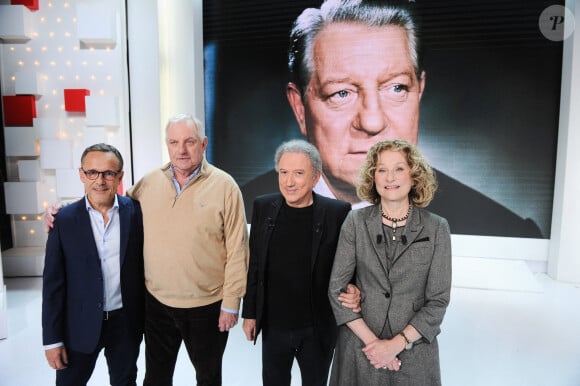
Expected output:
(19, 110)
(74, 99)
(30, 4)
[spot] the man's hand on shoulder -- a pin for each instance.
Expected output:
(49, 214)
(51, 211)
(351, 298)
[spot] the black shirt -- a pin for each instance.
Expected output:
(288, 288)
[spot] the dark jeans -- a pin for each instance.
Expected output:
(280, 347)
(165, 329)
(121, 352)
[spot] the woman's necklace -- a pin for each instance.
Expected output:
(394, 221)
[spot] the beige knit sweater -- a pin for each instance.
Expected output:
(196, 244)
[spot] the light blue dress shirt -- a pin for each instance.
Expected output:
(108, 240)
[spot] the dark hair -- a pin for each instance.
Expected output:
(104, 148)
(367, 12)
(424, 182)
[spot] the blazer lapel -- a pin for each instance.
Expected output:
(317, 227)
(270, 222)
(412, 230)
(84, 226)
(374, 226)
(124, 224)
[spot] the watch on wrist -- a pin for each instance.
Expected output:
(409, 344)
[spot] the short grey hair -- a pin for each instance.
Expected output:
(371, 13)
(190, 119)
(302, 147)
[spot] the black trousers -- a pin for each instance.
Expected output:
(281, 346)
(165, 329)
(121, 351)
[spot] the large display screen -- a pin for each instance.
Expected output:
(489, 109)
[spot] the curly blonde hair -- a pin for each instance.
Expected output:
(424, 182)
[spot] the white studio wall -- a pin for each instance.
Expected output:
(64, 78)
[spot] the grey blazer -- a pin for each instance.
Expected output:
(414, 291)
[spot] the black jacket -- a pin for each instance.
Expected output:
(327, 220)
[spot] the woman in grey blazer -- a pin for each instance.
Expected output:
(400, 255)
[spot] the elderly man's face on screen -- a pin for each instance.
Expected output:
(363, 89)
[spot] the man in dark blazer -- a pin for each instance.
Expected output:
(93, 281)
(292, 245)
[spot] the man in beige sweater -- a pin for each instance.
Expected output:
(196, 255)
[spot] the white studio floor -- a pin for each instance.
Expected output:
(497, 332)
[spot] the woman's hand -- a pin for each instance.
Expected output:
(382, 353)
(395, 365)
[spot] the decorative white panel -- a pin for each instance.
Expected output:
(23, 198)
(29, 170)
(96, 26)
(27, 83)
(102, 111)
(49, 189)
(20, 141)
(23, 261)
(55, 154)
(94, 134)
(30, 232)
(68, 184)
(46, 128)
(15, 24)
(77, 154)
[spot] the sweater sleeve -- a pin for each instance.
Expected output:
(237, 250)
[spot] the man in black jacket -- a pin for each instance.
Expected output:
(292, 245)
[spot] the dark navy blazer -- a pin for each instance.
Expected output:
(72, 293)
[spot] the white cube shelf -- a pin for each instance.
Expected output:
(96, 26)
(55, 154)
(23, 261)
(29, 170)
(68, 184)
(102, 111)
(23, 198)
(28, 83)
(20, 141)
(46, 128)
(15, 24)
